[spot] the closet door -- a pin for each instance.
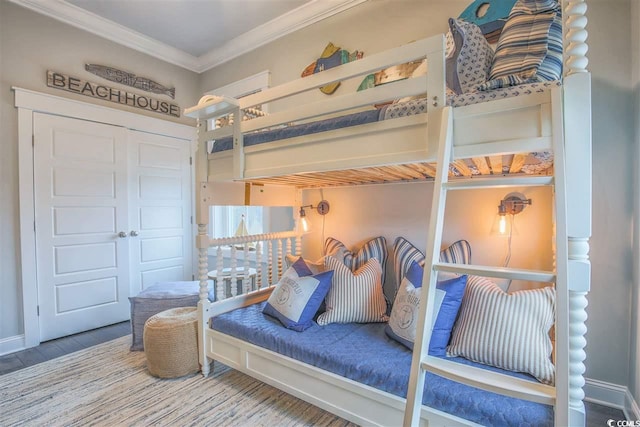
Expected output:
(81, 210)
(160, 209)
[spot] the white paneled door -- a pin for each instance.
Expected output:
(160, 216)
(104, 195)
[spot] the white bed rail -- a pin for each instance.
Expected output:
(433, 83)
(262, 253)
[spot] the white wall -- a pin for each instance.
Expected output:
(377, 25)
(30, 44)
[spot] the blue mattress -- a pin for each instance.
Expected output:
(364, 353)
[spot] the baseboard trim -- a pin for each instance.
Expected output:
(612, 395)
(12, 344)
(631, 409)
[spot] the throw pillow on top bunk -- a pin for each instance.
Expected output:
(354, 297)
(405, 313)
(509, 331)
(471, 61)
(297, 296)
(530, 46)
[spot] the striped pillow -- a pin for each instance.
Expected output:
(530, 46)
(509, 331)
(404, 253)
(374, 248)
(354, 297)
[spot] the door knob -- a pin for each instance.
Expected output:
(122, 234)
(134, 233)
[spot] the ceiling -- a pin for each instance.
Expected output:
(194, 34)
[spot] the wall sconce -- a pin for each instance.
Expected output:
(512, 204)
(322, 209)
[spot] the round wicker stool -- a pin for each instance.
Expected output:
(171, 342)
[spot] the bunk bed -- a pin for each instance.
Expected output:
(470, 140)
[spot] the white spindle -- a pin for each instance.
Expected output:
(234, 271)
(575, 46)
(280, 255)
(259, 265)
(220, 286)
(298, 244)
(270, 263)
(203, 265)
(246, 277)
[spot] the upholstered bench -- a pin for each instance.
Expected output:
(157, 298)
(171, 342)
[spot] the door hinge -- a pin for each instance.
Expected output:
(34, 226)
(38, 309)
(191, 219)
(33, 140)
(193, 277)
(190, 160)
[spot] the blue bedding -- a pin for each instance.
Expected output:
(255, 138)
(363, 353)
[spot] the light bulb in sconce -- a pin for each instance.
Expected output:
(502, 224)
(304, 222)
(305, 225)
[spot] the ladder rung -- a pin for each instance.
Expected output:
(497, 272)
(517, 181)
(490, 381)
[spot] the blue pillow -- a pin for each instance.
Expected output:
(404, 315)
(297, 296)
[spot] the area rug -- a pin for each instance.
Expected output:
(107, 385)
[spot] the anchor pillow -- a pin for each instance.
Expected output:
(297, 296)
(404, 315)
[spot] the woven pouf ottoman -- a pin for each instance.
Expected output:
(171, 342)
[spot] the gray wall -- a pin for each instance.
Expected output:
(29, 45)
(634, 363)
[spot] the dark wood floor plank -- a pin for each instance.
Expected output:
(10, 363)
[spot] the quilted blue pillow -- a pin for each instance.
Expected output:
(471, 61)
(297, 296)
(404, 315)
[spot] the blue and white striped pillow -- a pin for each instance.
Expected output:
(404, 253)
(374, 248)
(509, 331)
(530, 46)
(354, 297)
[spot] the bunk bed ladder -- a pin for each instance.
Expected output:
(476, 377)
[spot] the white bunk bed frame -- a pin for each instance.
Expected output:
(521, 124)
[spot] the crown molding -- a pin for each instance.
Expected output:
(294, 20)
(90, 22)
(288, 23)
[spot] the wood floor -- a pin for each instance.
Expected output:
(597, 415)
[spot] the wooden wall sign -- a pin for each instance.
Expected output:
(130, 79)
(96, 90)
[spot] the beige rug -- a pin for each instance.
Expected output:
(107, 385)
